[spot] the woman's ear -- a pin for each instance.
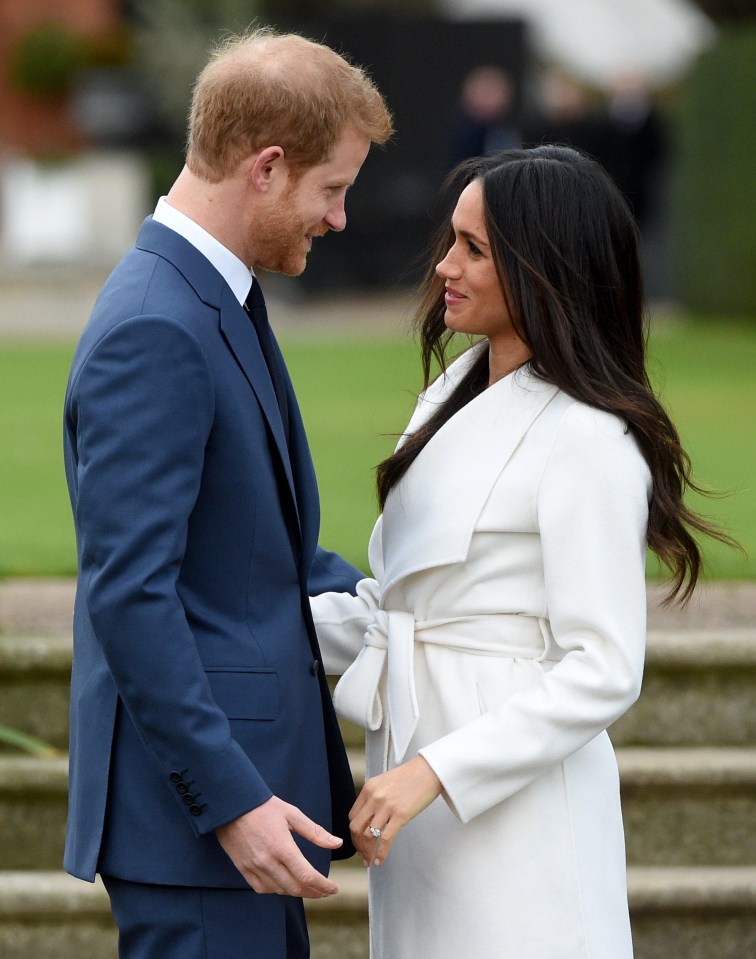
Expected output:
(266, 167)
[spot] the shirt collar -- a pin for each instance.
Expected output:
(237, 274)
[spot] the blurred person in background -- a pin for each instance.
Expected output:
(206, 766)
(633, 147)
(485, 121)
(504, 627)
(622, 131)
(566, 116)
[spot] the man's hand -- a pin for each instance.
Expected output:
(261, 846)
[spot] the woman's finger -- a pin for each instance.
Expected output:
(377, 856)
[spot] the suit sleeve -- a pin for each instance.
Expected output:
(331, 573)
(144, 406)
(592, 513)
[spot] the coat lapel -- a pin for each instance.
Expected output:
(430, 516)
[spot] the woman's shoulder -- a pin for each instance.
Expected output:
(589, 438)
(581, 421)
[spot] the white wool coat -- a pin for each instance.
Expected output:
(502, 633)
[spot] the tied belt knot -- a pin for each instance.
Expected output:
(389, 647)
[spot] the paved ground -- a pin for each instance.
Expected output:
(44, 607)
(55, 304)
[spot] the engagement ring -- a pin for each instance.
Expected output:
(376, 833)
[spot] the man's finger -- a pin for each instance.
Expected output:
(297, 874)
(311, 831)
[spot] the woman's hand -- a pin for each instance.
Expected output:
(388, 802)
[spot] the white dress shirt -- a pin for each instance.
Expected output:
(237, 274)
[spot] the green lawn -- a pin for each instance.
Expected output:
(356, 394)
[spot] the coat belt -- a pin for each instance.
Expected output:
(389, 647)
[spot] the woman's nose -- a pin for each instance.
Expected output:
(447, 269)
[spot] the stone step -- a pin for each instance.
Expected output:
(702, 913)
(698, 690)
(691, 806)
(682, 807)
(35, 679)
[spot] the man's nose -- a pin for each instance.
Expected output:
(336, 217)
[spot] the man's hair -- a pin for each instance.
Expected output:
(270, 89)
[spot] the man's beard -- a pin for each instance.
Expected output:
(279, 239)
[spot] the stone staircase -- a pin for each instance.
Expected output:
(687, 756)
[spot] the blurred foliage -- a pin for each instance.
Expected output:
(723, 10)
(716, 201)
(26, 743)
(47, 59)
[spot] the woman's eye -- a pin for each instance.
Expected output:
(473, 248)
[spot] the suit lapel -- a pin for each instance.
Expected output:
(430, 516)
(305, 482)
(238, 332)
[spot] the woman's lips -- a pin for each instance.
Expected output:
(451, 297)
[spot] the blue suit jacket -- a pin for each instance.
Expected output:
(196, 691)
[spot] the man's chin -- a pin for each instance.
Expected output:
(294, 268)
(290, 265)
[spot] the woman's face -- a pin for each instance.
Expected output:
(474, 298)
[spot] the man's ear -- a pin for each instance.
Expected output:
(266, 167)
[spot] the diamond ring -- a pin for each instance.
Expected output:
(376, 833)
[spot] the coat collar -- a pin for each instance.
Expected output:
(430, 515)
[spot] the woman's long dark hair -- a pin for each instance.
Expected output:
(565, 248)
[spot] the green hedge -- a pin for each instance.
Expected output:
(716, 221)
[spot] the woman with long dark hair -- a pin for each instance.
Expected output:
(504, 628)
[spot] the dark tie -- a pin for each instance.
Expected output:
(255, 308)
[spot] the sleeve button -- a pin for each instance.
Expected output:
(195, 810)
(188, 799)
(176, 777)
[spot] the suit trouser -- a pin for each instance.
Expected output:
(188, 922)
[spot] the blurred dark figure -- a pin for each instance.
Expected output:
(566, 117)
(485, 121)
(633, 149)
(624, 134)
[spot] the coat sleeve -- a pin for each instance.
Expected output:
(592, 514)
(143, 406)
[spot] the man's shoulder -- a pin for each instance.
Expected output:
(146, 284)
